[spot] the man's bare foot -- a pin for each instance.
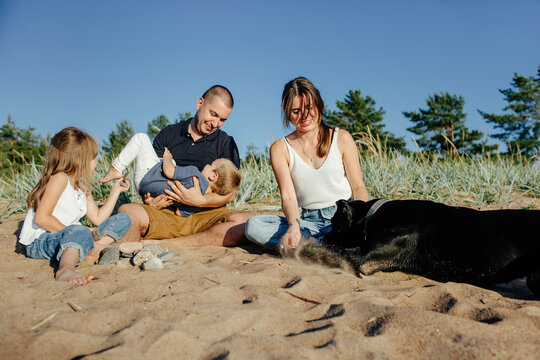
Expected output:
(168, 165)
(71, 276)
(112, 174)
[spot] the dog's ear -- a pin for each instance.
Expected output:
(342, 219)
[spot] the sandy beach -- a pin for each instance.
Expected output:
(242, 303)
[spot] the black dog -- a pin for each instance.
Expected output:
(441, 242)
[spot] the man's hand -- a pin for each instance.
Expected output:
(160, 202)
(191, 196)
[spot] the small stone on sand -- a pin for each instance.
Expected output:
(164, 256)
(156, 249)
(153, 263)
(109, 255)
(143, 256)
(123, 263)
(127, 249)
(173, 262)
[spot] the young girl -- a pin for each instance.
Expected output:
(61, 198)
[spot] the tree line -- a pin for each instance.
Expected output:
(439, 127)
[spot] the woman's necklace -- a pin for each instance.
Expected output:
(304, 151)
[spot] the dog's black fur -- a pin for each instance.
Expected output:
(441, 242)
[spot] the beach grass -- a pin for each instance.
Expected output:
(459, 179)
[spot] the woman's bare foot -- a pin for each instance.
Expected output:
(71, 276)
(112, 174)
(168, 165)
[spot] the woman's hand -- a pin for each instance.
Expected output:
(291, 239)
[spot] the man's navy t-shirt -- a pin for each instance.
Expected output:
(185, 151)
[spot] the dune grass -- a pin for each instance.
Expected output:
(477, 181)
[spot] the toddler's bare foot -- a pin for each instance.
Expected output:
(168, 165)
(71, 276)
(112, 174)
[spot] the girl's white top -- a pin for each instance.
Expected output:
(322, 187)
(69, 209)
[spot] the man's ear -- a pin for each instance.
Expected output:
(199, 103)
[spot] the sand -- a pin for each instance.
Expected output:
(241, 303)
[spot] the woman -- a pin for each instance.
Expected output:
(315, 166)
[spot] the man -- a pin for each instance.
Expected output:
(197, 141)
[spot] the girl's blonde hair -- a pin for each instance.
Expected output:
(305, 88)
(71, 151)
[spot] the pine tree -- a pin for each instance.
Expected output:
(160, 122)
(520, 129)
(18, 146)
(155, 126)
(357, 113)
(442, 126)
(118, 139)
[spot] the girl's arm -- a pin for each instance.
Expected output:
(279, 157)
(44, 217)
(99, 214)
(351, 163)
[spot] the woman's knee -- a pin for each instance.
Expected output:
(261, 227)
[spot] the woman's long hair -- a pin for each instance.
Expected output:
(71, 151)
(305, 88)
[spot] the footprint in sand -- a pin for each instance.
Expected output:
(486, 316)
(376, 326)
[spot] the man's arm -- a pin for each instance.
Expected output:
(194, 197)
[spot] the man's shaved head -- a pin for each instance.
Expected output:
(222, 92)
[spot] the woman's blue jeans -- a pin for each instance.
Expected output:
(267, 230)
(52, 245)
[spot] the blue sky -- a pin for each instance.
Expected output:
(92, 64)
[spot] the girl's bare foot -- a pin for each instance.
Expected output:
(71, 276)
(93, 255)
(168, 165)
(112, 174)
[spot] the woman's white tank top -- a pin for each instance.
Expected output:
(69, 209)
(322, 187)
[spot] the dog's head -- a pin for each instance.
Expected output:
(348, 224)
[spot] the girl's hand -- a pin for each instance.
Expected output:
(291, 239)
(121, 186)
